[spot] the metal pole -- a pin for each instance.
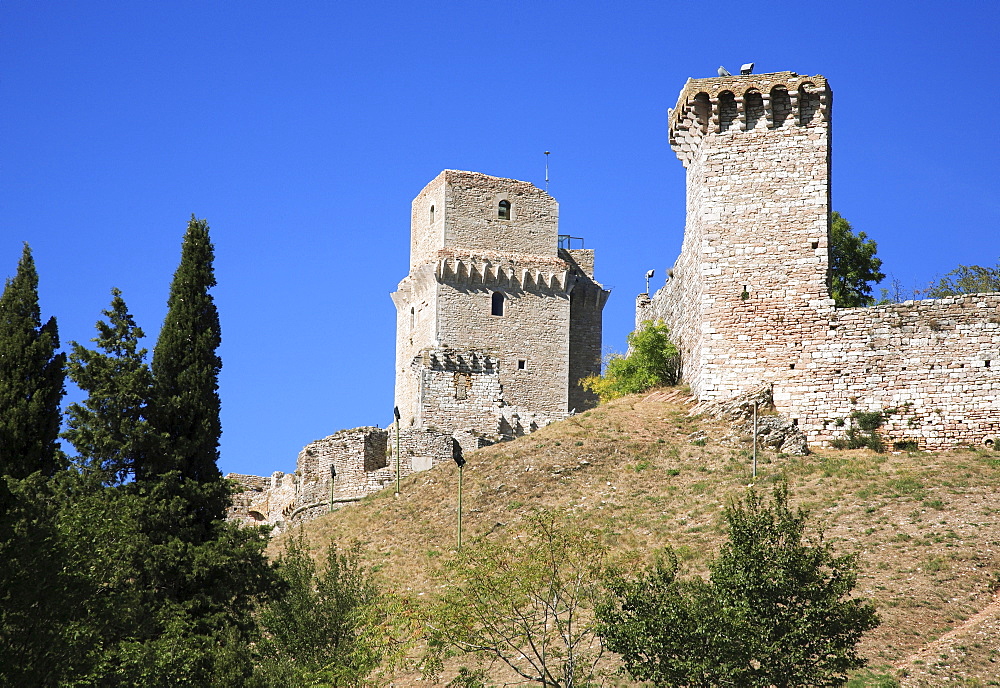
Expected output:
(461, 469)
(395, 412)
(755, 440)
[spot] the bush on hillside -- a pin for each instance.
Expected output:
(652, 360)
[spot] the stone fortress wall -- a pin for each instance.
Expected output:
(748, 298)
(496, 323)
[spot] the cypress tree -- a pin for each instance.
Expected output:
(185, 408)
(110, 429)
(31, 378)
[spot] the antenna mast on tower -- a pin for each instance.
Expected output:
(547, 171)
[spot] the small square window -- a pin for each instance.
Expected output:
(522, 364)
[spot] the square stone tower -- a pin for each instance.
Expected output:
(751, 284)
(495, 322)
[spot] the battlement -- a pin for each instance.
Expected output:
(747, 301)
(495, 322)
(455, 361)
(517, 271)
(750, 103)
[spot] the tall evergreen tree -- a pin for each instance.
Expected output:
(185, 411)
(31, 378)
(110, 430)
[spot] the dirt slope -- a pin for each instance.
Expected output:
(926, 525)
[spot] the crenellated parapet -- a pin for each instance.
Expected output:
(739, 104)
(505, 272)
(457, 361)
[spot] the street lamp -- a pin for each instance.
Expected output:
(461, 465)
(395, 412)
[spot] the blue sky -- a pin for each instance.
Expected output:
(302, 131)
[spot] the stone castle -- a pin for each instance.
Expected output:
(498, 318)
(495, 323)
(748, 300)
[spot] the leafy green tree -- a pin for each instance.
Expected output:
(776, 611)
(31, 378)
(110, 429)
(526, 602)
(854, 266)
(652, 360)
(330, 627)
(966, 279)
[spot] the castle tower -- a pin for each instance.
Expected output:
(750, 286)
(495, 322)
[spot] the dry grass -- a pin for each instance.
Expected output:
(925, 525)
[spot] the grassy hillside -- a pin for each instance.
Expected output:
(927, 526)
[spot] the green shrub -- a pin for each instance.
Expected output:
(863, 433)
(652, 360)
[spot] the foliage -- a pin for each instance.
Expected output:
(854, 266)
(112, 582)
(896, 292)
(110, 429)
(863, 433)
(329, 627)
(526, 601)
(186, 406)
(652, 360)
(966, 279)
(776, 610)
(31, 378)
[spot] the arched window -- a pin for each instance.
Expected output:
(781, 106)
(753, 108)
(503, 210)
(497, 303)
(432, 214)
(727, 110)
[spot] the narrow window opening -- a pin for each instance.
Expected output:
(815, 244)
(503, 210)
(432, 214)
(987, 364)
(745, 294)
(413, 317)
(497, 303)
(791, 366)
(463, 381)
(795, 422)
(522, 364)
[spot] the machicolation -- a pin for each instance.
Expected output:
(496, 322)
(748, 299)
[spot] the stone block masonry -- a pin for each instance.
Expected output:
(748, 299)
(495, 325)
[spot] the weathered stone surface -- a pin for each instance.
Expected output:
(747, 300)
(495, 322)
(466, 374)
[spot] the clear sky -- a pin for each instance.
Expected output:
(302, 131)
